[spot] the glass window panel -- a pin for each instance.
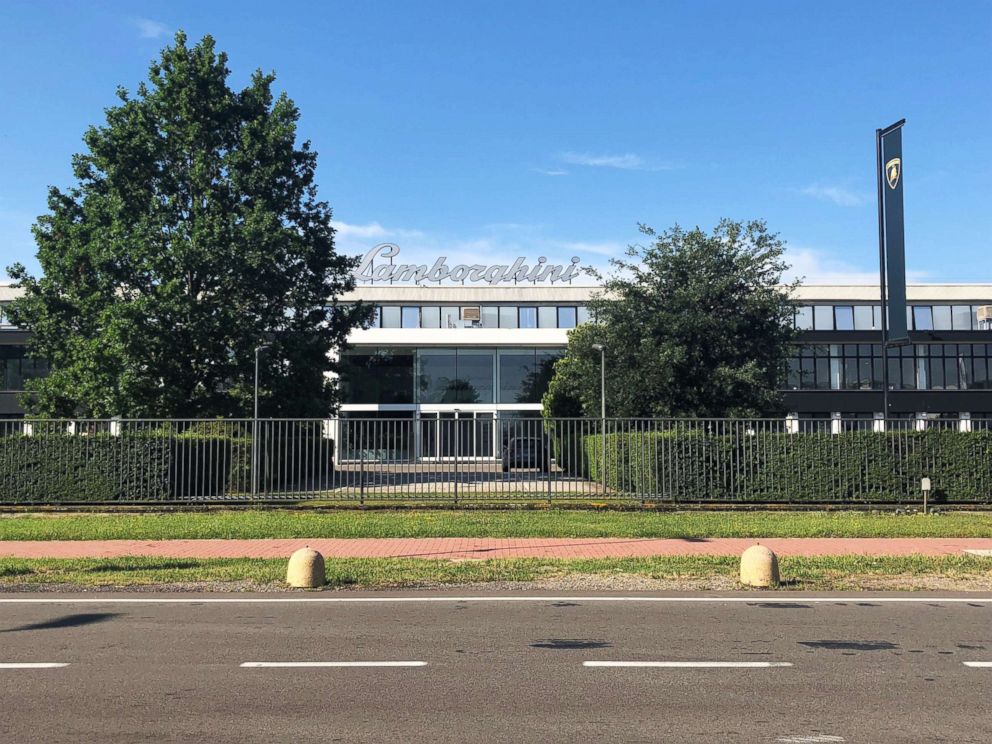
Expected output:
(567, 317)
(508, 317)
(547, 317)
(411, 317)
(516, 367)
(793, 381)
(437, 376)
(851, 373)
(490, 316)
(430, 317)
(822, 381)
(450, 317)
(476, 376)
(804, 318)
(941, 317)
(377, 376)
(584, 316)
(922, 379)
(376, 321)
(951, 380)
(836, 374)
(864, 373)
(922, 318)
(974, 319)
(823, 317)
(981, 373)
(844, 318)
(863, 318)
(876, 316)
(390, 316)
(528, 317)
(908, 378)
(961, 317)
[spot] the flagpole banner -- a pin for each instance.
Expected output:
(895, 247)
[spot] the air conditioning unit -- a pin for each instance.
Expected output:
(472, 314)
(985, 316)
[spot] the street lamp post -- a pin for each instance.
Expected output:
(602, 404)
(254, 426)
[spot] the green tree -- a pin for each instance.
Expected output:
(694, 324)
(193, 234)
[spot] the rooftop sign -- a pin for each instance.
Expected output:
(378, 266)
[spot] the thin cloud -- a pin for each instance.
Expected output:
(149, 29)
(838, 195)
(551, 171)
(626, 161)
(814, 266)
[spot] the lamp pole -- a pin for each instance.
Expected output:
(254, 426)
(602, 403)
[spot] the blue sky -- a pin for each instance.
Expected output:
(490, 130)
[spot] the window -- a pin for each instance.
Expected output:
(584, 316)
(961, 317)
(804, 318)
(524, 374)
(430, 317)
(547, 317)
(490, 316)
(528, 317)
(823, 317)
(844, 318)
(922, 317)
(942, 317)
(377, 376)
(507, 317)
(567, 317)
(450, 317)
(410, 317)
(390, 316)
(864, 319)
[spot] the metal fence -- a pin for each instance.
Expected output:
(457, 456)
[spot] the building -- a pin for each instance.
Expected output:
(484, 352)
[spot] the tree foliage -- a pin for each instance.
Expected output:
(694, 324)
(193, 234)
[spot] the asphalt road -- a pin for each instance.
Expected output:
(848, 668)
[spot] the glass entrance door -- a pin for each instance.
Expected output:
(469, 434)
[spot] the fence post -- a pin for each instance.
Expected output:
(457, 445)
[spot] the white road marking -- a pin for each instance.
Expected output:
(315, 664)
(978, 664)
(33, 665)
(812, 739)
(690, 664)
(757, 598)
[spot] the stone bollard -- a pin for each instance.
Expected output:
(759, 567)
(306, 569)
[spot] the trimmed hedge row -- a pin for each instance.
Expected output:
(774, 467)
(153, 466)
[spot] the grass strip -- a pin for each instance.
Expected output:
(247, 524)
(819, 573)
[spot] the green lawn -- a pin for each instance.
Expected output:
(800, 573)
(489, 523)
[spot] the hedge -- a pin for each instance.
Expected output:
(153, 466)
(777, 467)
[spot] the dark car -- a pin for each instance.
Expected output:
(526, 452)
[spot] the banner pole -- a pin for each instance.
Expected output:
(884, 320)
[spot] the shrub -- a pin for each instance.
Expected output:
(778, 467)
(101, 467)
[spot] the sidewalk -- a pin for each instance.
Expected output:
(458, 548)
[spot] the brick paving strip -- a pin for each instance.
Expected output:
(467, 548)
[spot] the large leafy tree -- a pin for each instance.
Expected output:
(694, 324)
(194, 234)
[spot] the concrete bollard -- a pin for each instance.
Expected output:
(759, 567)
(306, 569)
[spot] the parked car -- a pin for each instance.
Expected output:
(526, 452)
